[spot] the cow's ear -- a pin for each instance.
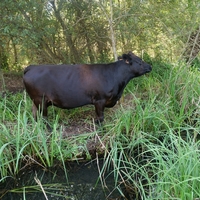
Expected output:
(120, 58)
(127, 58)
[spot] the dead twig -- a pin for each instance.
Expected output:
(39, 183)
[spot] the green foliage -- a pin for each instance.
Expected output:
(196, 64)
(91, 31)
(3, 61)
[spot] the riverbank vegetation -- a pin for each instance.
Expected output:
(149, 142)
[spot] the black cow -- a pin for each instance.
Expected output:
(71, 86)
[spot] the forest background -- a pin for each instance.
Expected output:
(81, 31)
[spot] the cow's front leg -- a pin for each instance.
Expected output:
(99, 109)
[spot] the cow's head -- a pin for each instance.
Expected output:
(137, 65)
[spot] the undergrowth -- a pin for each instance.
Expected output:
(151, 140)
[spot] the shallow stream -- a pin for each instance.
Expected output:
(82, 184)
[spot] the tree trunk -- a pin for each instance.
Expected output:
(15, 52)
(68, 35)
(112, 33)
(111, 27)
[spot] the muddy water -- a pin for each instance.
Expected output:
(82, 184)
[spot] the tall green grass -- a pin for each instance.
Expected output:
(154, 139)
(152, 168)
(24, 142)
(151, 140)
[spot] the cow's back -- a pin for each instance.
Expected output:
(63, 85)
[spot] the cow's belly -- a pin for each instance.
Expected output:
(68, 100)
